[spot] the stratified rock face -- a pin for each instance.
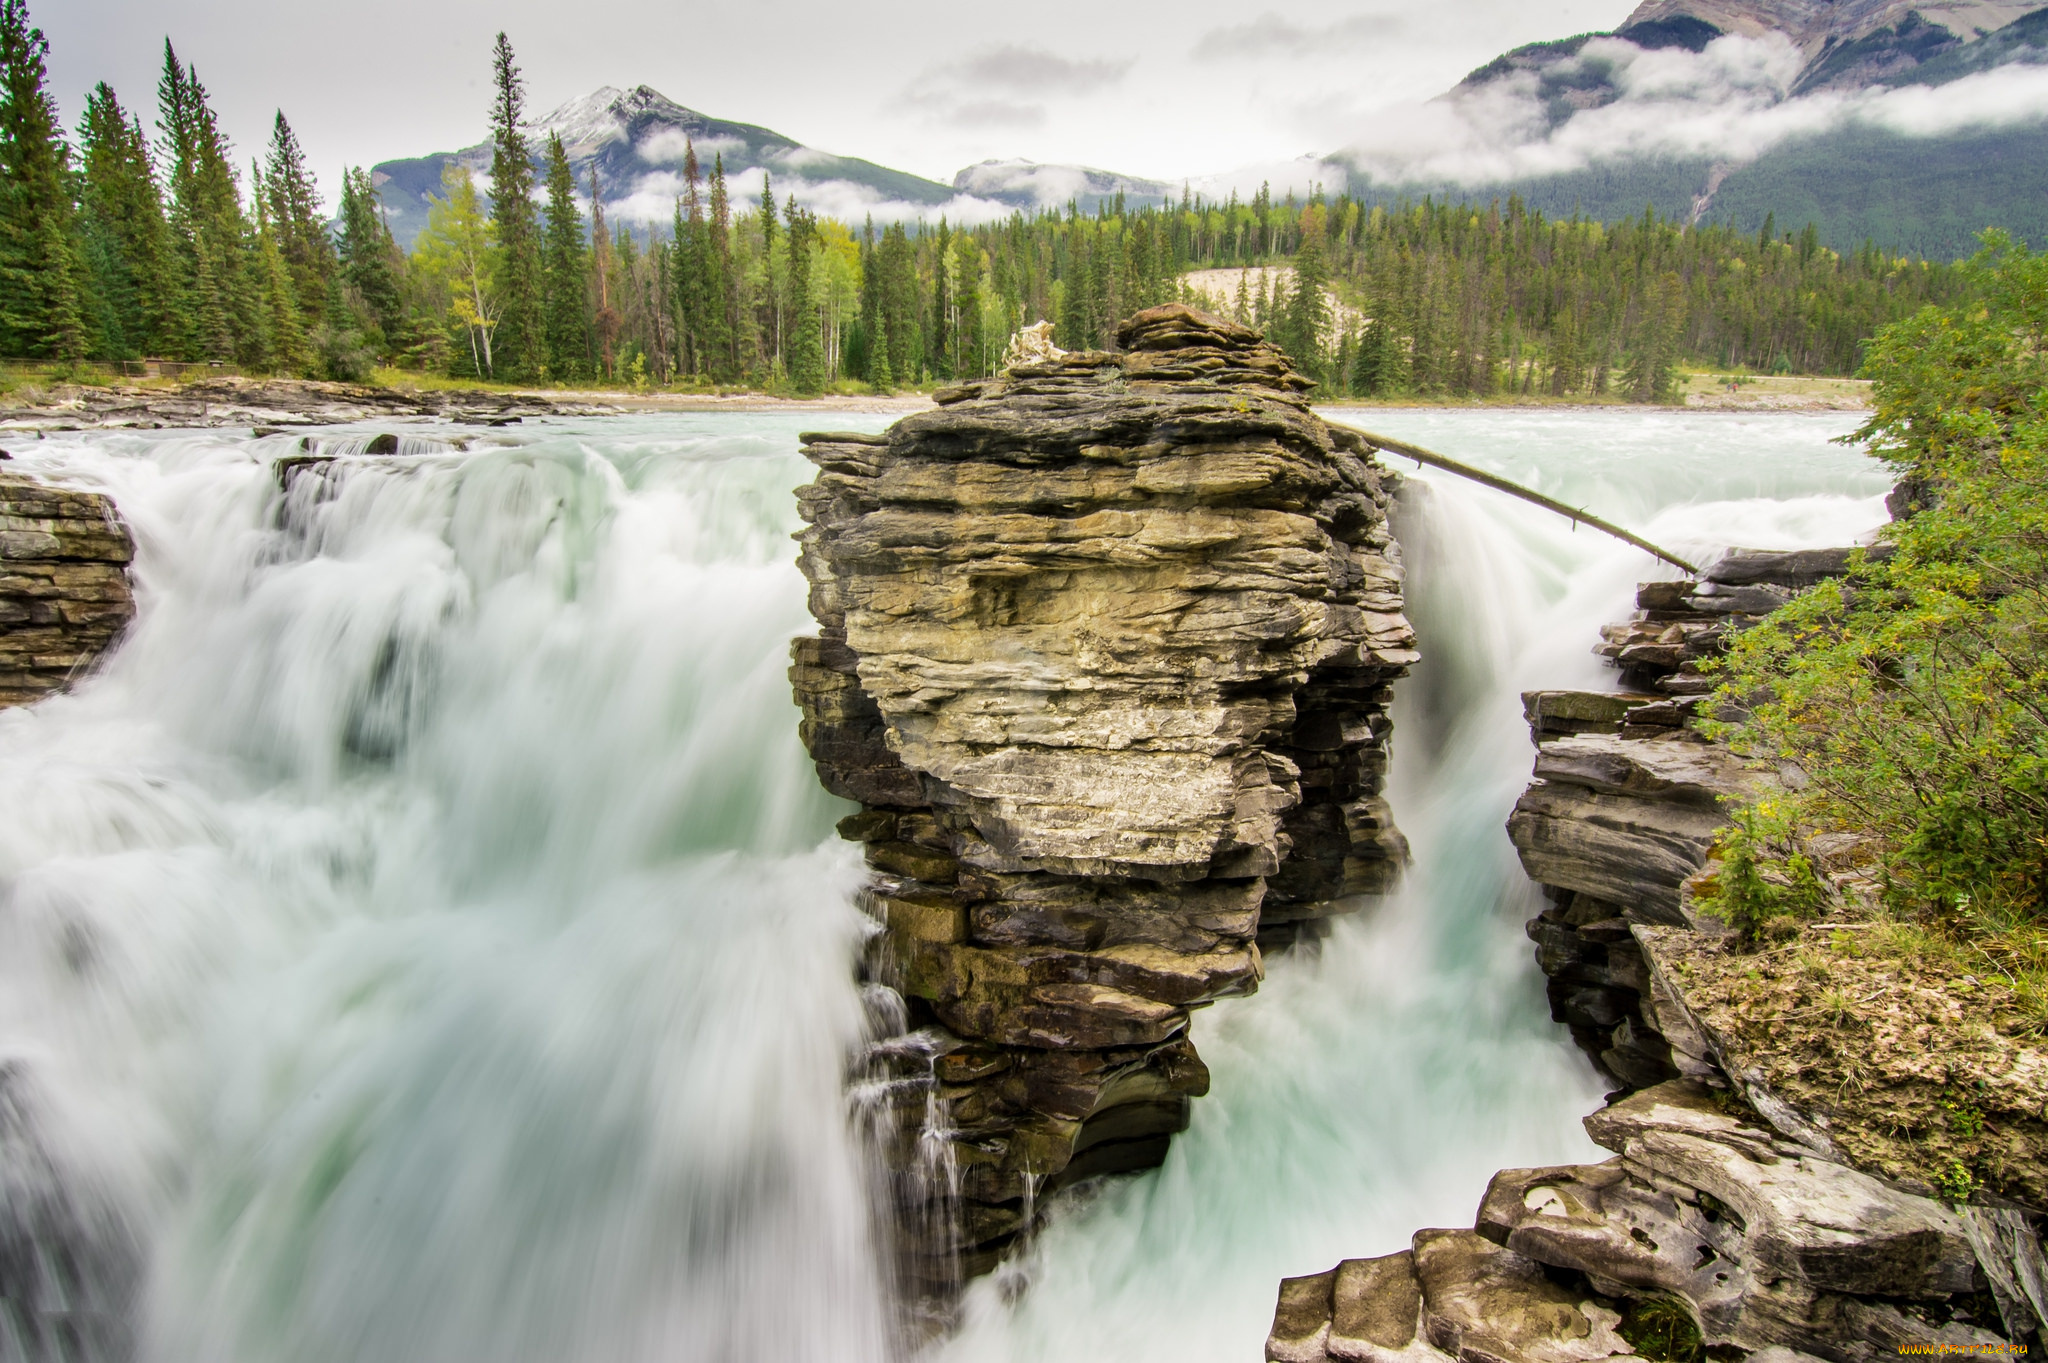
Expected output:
(64, 593)
(1628, 799)
(1105, 651)
(1736, 1206)
(1763, 1243)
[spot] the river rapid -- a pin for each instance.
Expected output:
(425, 938)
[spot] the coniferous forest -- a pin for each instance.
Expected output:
(120, 240)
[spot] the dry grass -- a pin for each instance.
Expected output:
(1921, 1052)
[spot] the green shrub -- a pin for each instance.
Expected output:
(1913, 695)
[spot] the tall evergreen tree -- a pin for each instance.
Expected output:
(126, 243)
(941, 328)
(806, 341)
(522, 332)
(1076, 326)
(967, 339)
(1306, 318)
(564, 269)
(898, 261)
(284, 331)
(211, 235)
(693, 269)
(771, 292)
(292, 203)
(369, 263)
(42, 310)
(722, 285)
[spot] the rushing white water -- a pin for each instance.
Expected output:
(424, 939)
(1371, 1089)
(422, 942)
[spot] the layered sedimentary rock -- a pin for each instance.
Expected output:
(1763, 1243)
(1628, 796)
(1105, 650)
(64, 594)
(1678, 625)
(1790, 1176)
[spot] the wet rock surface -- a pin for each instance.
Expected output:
(64, 594)
(273, 403)
(1105, 652)
(1765, 1200)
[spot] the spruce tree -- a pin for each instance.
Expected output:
(1076, 329)
(870, 306)
(1306, 316)
(880, 377)
(211, 237)
(285, 332)
(369, 263)
(522, 331)
(806, 343)
(771, 291)
(126, 243)
(293, 206)
(967, 356)
(564, 269)
(42, 310)
(898, 261)
(692, 268)
(722, 285)
(942, 326)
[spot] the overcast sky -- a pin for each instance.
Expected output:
(1148, 87)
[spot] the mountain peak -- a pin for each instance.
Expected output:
(1817, 26)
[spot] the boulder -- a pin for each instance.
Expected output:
(1105, 652)
(64, 593)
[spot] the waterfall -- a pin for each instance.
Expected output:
(1372, 1087)
(425, 938)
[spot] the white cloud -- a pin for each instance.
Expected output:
(1273, 35)
(1005, 85)
(1727, 103)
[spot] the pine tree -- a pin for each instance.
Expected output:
(126, 243)
(42, 311)
(1652, 371)
(1076, 327)
(968, 360)
(564, 268)
(880, 377)
(722, 283)
(285, 334)
(1306, 318)
(898, 330)
(871, 307)
(770, 320)
(694, 302)
(293, 206)
(806, 342)
(369, 263)
(522, 333)
(942, 329)
(211, 236)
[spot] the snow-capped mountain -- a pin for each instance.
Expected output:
(631, 144)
